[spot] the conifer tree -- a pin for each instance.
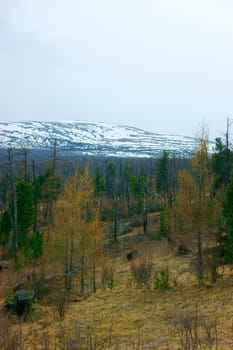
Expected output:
(228, 215)
(112, 186)
(5, 229)
(162, 176)
(25, 209)
(222, 163)
(138, 186)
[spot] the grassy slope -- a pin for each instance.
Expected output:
(129, 317)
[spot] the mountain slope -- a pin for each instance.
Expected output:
(92, 139)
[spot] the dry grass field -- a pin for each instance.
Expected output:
(124, 314)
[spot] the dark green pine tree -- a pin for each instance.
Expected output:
(228, 215)
(222, 163)
(138, 186)
(25, 209)
(128, 173)
(162, 176)
(99, 183)
(112, 188)
(5, 229)
(111, 180)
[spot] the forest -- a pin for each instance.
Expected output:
(117, 253)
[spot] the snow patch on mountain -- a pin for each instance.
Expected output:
(92, 139)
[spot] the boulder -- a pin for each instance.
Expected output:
(131, 255)
(182, 249)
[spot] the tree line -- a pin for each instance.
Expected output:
(67, 211)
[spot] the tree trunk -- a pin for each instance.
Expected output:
(35, 223)
(128, 198)
(15, 216)
(115, 220)
(94, 275)
(69, 278)
(145, 218)
(200, 258)
(82, 273)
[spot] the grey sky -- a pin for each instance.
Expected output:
(160, 65)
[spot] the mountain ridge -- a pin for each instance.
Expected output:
(99, 139)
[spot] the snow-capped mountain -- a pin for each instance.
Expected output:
(92, 139)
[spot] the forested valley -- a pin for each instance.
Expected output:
(117, 253)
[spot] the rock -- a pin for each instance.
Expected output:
(182, 249)
(4, 267)
(131, 255)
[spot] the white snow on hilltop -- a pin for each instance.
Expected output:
(93, 139)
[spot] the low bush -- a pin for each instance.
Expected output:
(108, 277)
(142, 273)
(11, 337)
(195, 331)
(61, 305)
(161, 280)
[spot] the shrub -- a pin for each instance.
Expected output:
(34, 246)
(20, 262)
(161, 280)
(142, 272)
(79, 336)
(163, 230)
(9, 295)
(40, 288)
(10, 337)
(61, 306)
(195, 331)
(107, 277)
(111, 283)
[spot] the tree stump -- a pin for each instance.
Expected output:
(21, 304)
(182, 249)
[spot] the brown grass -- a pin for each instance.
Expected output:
(129, 317)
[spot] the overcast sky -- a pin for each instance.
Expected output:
(160, 65)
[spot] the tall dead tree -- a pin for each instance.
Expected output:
(11, 169)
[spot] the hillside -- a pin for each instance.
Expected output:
(125, 257)
(76, 138)
(125, 315)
